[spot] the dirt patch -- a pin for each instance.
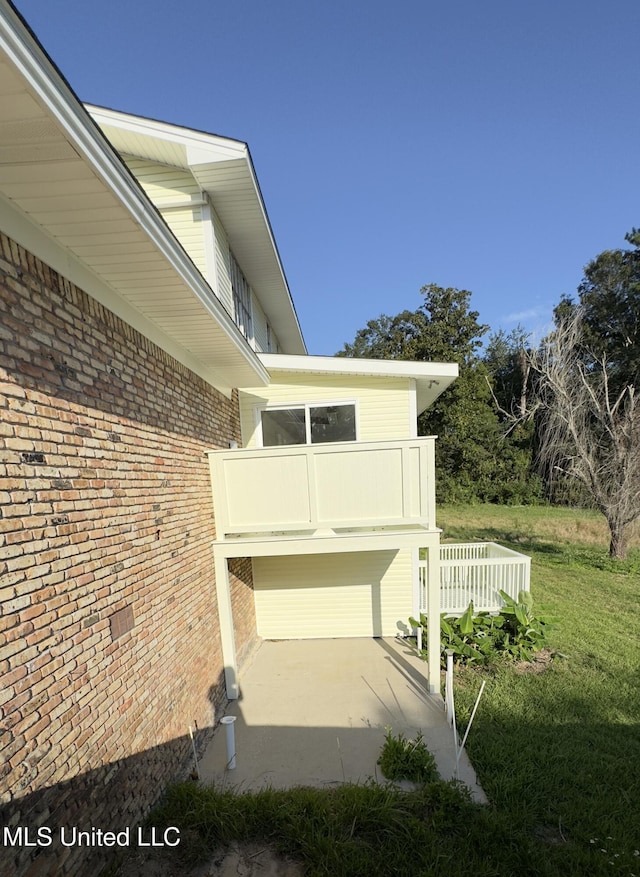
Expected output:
(239, 860)
(538, 664)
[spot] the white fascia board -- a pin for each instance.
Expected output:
(428, 379)
(85, 136)
(349, 365)
(199, 147)
(300, 342)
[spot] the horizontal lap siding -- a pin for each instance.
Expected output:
(225, 291)
(383, 403)
(333, 595)
(165, 186)
(260, 328)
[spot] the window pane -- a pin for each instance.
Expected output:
(333, 423)
(241, 299)
(283, 427)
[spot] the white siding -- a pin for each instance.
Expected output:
(333, 595)
(166, 186)
(260, 323)
(383, 404)
(225, 292)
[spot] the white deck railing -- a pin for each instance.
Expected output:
(476, 572)
(360, 485)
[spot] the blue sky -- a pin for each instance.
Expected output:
(488, 146)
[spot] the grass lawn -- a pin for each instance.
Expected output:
(558, 752)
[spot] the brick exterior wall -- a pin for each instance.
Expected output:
(243, 607)
(109, 639)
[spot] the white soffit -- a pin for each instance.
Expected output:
(59, 172)
(222, 168)
(432, 378)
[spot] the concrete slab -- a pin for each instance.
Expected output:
(315, 712)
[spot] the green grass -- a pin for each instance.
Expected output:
(561, 750)
(557, 752)
(403, 759)
(352, 830)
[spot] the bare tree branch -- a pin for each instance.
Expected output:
(585, 431)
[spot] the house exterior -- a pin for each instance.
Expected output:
(178, 478)
(355, 571)
(332, 495)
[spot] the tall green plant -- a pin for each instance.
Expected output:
(480, 637)
(522, 633)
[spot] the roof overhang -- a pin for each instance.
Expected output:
(67, 196)
(224, 171)
(431, 378)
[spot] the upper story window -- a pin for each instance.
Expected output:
(241, 299)
(308, 424)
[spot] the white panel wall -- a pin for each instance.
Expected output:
(353, 484)
(333, 595)
(272, 490)
(359, 488)
(384, 410)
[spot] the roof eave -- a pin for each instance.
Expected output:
(205, 156)
(44, 82)
(431, 378)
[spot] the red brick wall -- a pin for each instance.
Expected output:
(109, 640)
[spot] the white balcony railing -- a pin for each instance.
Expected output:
(301, 488)
(476, 572)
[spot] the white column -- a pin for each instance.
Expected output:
(433, 615)
(415, 582)
(225, 614)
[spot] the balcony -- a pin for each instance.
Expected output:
(315, 490)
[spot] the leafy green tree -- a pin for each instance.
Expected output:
(609, 298)
(442, 329)
(474, 461)
(388, 337)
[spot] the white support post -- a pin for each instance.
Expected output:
(415, 582)
(225, 614)
(433, 616)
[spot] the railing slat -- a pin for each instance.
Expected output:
(476, 572)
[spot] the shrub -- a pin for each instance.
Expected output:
(480, 637)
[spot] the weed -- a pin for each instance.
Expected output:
(403, 759)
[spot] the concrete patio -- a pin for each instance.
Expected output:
(314, 712)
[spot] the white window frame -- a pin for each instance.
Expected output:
(321, 403)
(242, 300)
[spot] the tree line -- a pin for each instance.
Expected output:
(556, 422)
